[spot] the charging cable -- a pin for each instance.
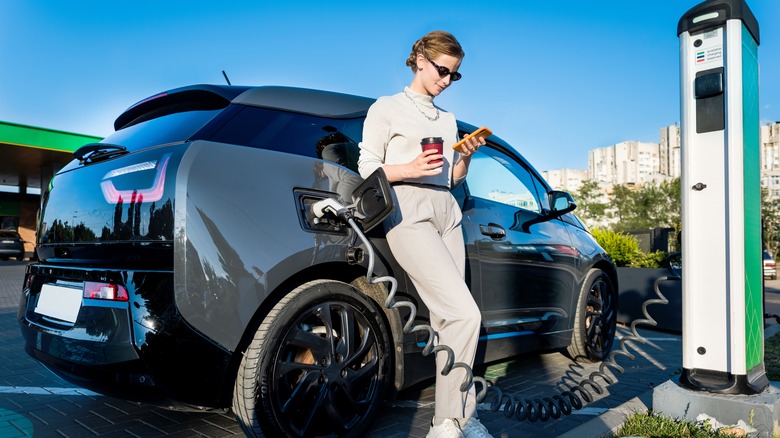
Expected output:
(541, 409)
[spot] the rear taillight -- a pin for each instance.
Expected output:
(148, 194)
(104, 291)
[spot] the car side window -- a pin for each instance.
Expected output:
(495, 176)
(333, 140)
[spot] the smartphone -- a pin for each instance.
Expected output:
(481, 132)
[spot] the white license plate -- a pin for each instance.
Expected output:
(8, 241)
(59, 302)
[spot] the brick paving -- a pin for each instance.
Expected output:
(34, 402)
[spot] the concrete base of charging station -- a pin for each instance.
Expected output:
(761, 411)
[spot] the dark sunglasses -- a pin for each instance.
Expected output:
(444, 71)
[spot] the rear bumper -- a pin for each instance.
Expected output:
(129, 380)
(137, 350)
(11, 252)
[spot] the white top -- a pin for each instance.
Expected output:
(394, 127)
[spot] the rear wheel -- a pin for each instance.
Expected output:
(318, 365)
(595, 319)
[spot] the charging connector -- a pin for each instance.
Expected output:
(331, 206)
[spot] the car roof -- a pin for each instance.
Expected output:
(206, 96)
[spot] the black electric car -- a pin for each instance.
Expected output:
(180, 264)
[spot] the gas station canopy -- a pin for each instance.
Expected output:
(28, 152)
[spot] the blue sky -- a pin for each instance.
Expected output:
(553, 78)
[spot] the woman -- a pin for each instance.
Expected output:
(424, 232)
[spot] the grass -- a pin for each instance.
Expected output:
(650, 425)
(772, 357)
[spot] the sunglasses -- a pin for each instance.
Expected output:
(444, 71)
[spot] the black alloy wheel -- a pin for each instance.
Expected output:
(318, 366)
(595, 322)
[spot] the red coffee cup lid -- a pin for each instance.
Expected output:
(432, 140)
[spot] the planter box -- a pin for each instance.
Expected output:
(636, 287)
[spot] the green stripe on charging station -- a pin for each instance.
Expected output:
(754, 317)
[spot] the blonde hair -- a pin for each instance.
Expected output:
(432, 45)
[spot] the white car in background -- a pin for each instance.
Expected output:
(770, 269)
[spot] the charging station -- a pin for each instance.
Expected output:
(723, 332)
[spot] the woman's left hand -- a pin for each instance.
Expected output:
(471, 145)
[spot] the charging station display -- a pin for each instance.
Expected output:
(721, 212)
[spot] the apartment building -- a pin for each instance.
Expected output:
(770, 158)
(569, 180)
(626, 163)
(669, 151)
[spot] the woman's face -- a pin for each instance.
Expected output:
(429, 79)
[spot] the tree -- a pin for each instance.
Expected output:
(770, 217)
(648, 206)
(590, 207)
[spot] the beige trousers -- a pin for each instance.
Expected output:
(425, 237)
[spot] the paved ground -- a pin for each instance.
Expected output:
(33, 402)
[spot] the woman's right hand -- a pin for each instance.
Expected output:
(428, 163)
(419, 167)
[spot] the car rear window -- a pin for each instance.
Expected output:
(171, 128)
(9, 235)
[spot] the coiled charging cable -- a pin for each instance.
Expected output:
(541, 409)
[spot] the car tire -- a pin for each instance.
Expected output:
(595, 320)
(319, 365)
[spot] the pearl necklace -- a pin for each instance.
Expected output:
(432, 119)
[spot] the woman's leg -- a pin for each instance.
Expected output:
(429, 246)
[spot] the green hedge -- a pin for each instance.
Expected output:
(624, 250)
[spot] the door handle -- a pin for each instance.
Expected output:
(494, 231)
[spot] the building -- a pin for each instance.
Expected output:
(31, 156)
(636, 163)
(628, 163)
(770, 158)
(569, 180)
(669, 151)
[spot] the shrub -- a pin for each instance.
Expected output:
(648, 260)
(625, 252)
(623, 248)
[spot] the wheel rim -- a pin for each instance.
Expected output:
(327, 370)
(601, 318)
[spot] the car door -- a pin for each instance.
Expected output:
(527, 263)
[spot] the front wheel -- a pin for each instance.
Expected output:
(595, 320)
(318, 365)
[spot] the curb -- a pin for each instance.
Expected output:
(610, 422)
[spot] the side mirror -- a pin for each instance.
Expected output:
(372, 200)
(561, 203)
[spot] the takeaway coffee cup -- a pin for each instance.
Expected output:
(436, 143)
